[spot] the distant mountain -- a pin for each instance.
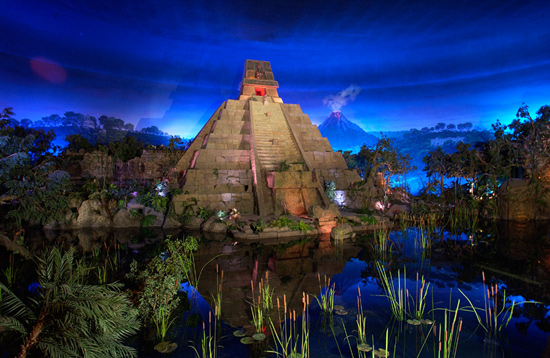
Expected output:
(343, 133)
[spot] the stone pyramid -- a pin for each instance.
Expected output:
(260, 155)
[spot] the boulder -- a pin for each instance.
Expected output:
(124, 219)
(396, 209)
(171, 223)
(341, 232)
(194, 224)
(92, 214)
(212, 225)
(159, 218)
(324, 214)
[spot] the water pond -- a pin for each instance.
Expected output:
(409, 292)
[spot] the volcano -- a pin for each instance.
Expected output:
(343, 133)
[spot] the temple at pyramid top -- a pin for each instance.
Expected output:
(258, 80)
(260, 155)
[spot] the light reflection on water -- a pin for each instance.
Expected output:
(293, 270)
(512, 256)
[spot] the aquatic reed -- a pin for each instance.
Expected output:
(217, 299)
(449, 333)
(291, 340)
(419, 301)
(10, 273)
(102, 273)
(360, 320)
(398, 302)
(162, 321)
(209, 345)
(383, 245)
(262, 305)
(495, 317)
(326, 296)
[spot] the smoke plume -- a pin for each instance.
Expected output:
(337, 101)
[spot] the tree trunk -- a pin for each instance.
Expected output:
(32, 338)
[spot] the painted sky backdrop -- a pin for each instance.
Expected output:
(402, 64)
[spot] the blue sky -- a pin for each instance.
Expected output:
(415, 63)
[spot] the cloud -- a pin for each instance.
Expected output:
(337, 101)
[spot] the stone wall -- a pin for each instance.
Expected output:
(151, 165)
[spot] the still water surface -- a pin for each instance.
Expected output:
(513, 256)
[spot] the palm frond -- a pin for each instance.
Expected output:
(12, 306)
(12, 324)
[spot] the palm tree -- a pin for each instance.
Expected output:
(69, 318)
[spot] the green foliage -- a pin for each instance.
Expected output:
(419, 209)
(205, 213)
(70, 318)
(127, 149)
(302, 226)
(187, 210)
(258, 226)
(28, 175)
(77, 142)
(156, 197)
(283, 221)
(147, 220)
(329, 187)
(369, 219)
(383, 158)
(160, 279)
(283, 166)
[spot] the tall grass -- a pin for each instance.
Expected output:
(162, 320)
(291, 339)
(262, 304)
(361, 320)
(326, 295)
(402, 303)
(102, 273)
(10, 273)
(419, 301)
(396, 297)
(449, 333)
(495, 315)
(383, 245)
(217, 298)
(209, 341)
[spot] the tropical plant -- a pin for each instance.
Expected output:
(330, 187)
(160, 280)
(29, 179)
(69, 318)
(205, 213)
(283, 166)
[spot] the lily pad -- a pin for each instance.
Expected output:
(381, 353)
(429, 321)
(338, 308)
(363, 347)
(166, 347)
(258, 336)
(247, 340)
(239, 333)
(413, 322)
(341, 312)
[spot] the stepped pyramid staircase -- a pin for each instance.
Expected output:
(259, 155)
